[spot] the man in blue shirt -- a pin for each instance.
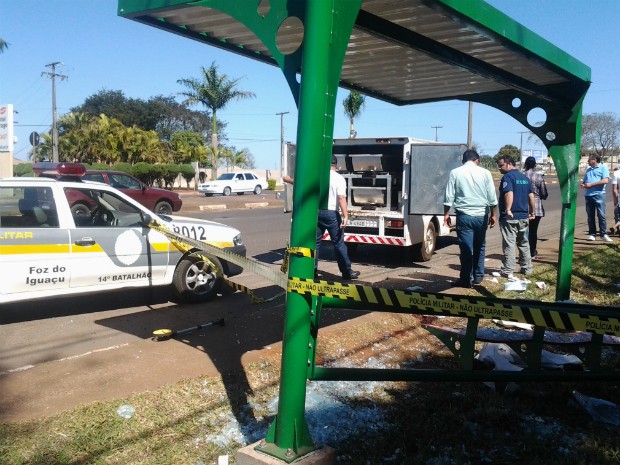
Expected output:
(471, 192)
(594, 181)
(516, 208)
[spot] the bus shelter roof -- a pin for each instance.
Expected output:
(403, 51)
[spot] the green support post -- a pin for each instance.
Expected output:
(566, 161)
(327, 28)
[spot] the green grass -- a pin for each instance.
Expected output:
(423, 423)
(594, 278)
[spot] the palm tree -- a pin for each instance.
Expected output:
(214, 91)
(353, 106)
(3, 45)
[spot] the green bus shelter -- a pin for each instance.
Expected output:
(400, 51)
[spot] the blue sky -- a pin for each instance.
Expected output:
(100, 50)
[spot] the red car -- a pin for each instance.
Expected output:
(160, 201)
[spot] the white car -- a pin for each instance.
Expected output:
(228, 183)
(45, 251)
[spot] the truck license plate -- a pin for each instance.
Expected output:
(363, 223)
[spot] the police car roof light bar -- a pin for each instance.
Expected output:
(59, 170)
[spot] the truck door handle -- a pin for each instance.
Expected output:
(85, 241)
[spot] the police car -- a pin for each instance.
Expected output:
(45, 251)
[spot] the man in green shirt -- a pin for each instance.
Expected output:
(471, 193)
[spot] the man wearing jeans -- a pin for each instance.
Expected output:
(594, 181)
(334, 220)
(516, 209)
(470, 191)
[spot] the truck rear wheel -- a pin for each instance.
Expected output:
(423, 251)
(196, 280)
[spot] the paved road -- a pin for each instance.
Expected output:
(56, 354)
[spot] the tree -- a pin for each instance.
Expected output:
(3, 45)
(128, 111)
(238, 158)
(188, 172)
(188, 146)
(509, 150)
(177, 117)
(353, 106)
(488, 162)
(214, 91)
(600, 134)
(87, 139)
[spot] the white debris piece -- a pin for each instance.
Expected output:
(515, 285)
(600, 410)
(514, 324)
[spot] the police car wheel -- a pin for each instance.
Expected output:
(227, 191)
(195, 280)
(258, 190)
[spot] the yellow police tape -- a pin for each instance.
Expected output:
(556, 315)
(445, 304)
(190, 245)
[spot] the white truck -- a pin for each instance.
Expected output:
(395, 190)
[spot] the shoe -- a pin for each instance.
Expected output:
(351, 275)
(461, 283)
(478, 280)
(591, 237)
(509, 276)
(606, 238)
(526, 272)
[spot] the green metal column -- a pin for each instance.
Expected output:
(327, 30)
(566, 161)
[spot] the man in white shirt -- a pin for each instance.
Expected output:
(334, 219)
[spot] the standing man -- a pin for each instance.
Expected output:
(470, 191)
(594, 181)
(615, 178)
(516, 209)
(334, 220)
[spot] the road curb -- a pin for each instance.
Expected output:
(212, 207)
(257, 205)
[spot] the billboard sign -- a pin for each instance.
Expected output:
(539, 155)
(6, 128)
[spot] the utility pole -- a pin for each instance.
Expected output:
(53, 76)
(470, 118)
(435, 128)
(521, 146)
(282, 142)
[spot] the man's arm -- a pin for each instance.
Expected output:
(446, 215)
(508, 199)
(587, 185)
(342, 202)
(493, 217)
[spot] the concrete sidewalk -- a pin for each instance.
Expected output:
(195, 201)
